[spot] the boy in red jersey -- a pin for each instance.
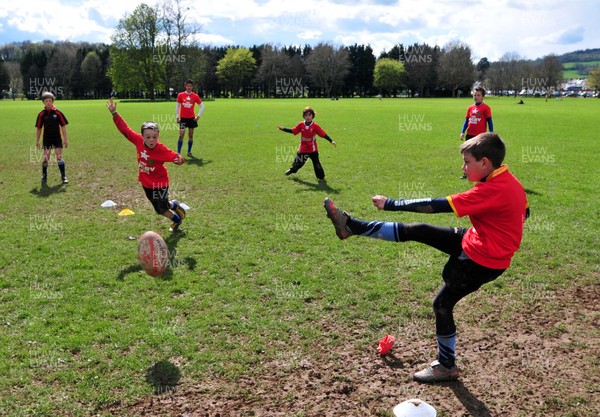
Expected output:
(152, 173)
(308, 143)
(186, 117)
(54, 124)
(479, 116)
(497, 207)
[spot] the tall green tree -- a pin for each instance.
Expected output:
(274, 69)
(91, 71)
(482, 67)
(235, 69)
(388, 75)
(456, 70)
(421, 65)
(4, 76)
(362, 66)
(134, 63)
(594, 79)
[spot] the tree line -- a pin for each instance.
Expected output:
(153, 51)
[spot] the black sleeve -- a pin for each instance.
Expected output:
(287, 130)
(328, 138)
(424, 205)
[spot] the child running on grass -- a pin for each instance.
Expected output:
(308, 143)
(497, 207)
(153, 175)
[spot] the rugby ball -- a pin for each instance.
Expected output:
(153, 254)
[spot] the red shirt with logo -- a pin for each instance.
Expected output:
(497, 209)
(152, 172)
(477, 115)
(308, 140)
(187, 102)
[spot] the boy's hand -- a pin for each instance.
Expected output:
(333, 143)
(111, 105)
(280, 127)
(178, 160)
(379, 201)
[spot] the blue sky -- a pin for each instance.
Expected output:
(491, 28)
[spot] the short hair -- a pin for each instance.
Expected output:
(486, 145)
(149, 125)
(480, 89)
(188, 82)
(47, 94)
(310, 110)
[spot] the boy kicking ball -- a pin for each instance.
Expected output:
(497, 207)
(151, 157)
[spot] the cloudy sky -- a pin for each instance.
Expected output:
(529, 28)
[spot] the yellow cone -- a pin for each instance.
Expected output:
(126, 212)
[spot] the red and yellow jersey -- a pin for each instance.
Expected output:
(497, 208)
(308, 140)
(186, 104)
(152, 172)
(477, 116)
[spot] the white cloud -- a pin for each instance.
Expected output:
(491, 27)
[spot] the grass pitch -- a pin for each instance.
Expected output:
(257, 268)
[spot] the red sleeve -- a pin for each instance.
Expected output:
(297, 129)
(198, 99)
(473, 201)
(131, 135)
(62, 120)
(319, 131)
(39, 123)
(164, 153)
(489, 112)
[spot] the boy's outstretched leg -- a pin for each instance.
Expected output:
(345, 226)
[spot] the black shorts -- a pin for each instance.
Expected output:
(461, 274)
(159, 197)
(55, 142)
(465, 276)
(190, 123)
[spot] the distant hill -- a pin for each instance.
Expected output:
(586, 55)
(578, 64)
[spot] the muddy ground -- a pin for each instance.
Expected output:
(543, 360)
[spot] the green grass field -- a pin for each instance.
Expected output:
(256, 269)
(570, 69)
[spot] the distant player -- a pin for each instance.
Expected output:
(152, 173)
(308, 148)
(54, 124)
(186, 116)
(478, 118)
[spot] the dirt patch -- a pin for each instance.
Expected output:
(541, 361)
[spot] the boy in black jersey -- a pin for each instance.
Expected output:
(54, 124)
